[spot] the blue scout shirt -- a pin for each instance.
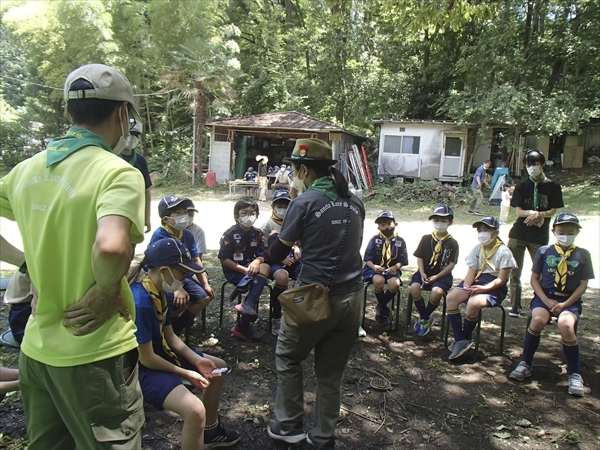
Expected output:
(241, 246)
(579, 264)
(374, 250)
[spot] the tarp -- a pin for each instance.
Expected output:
(496, 196)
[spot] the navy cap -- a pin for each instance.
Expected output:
(490, 221)
(170, 252)
(192, 207)
(566, 218)
(281, 194)
(442, 211)
(170, 202)
(387, 214)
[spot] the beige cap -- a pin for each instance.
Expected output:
(311, 150)
(108, 82)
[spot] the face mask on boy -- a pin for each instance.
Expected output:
(170, 287)
(440, 226)
(484, 237)
(247, 221)
(181, 222)
(565, 240)
(388, 232)
(534, 171)
(280, 212)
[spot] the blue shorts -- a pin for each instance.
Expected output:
(17, 319)
(369, 273)
(495, 297)
(232, 276)
(444, 283)
(575, 308)
(293, 270)
(157, 385)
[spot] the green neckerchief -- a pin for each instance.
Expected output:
(326, 186)
(75, 139)
(536, 196)
(133, 157)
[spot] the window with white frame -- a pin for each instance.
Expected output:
(408, 145)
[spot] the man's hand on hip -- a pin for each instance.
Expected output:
(93, 310)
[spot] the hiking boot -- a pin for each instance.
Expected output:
(460, 348)
(329, 445)
(576, 385)
(521, 372)
(275, 325)
(515, 312)
(246, 309)
(426, 327)
(246, 335)
(220, 437)
(294, 436)
(361, 332)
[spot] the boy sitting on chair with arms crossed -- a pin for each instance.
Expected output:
(559, 278)
(436, 254)
(485, 284)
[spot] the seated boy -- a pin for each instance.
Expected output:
(280, 271)
(165, 359)
(19, 294)
(559, 278)
(195, 293)
(242, 256)
(485, 284)
(197, 231)
(384, 257)
(437, 255)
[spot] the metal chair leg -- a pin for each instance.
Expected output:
(408, 315)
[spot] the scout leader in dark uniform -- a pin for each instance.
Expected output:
(325, 219)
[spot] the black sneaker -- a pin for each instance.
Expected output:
(220, 437)
(291, 437)
(515, 312)
(246, 335)
(246, 309)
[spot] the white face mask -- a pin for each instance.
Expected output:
(181, 222)
(440, 226)
(122, 142)
(565, 240)
(132, 142)
(170, 287)
(484, 237)
(280, 212)
(534, 171)
(247, 221)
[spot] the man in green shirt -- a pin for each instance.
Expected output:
(79, 208)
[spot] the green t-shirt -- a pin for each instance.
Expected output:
(57, 210)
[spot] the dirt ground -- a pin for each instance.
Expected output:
(433, 403)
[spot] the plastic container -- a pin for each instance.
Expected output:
(211, 179)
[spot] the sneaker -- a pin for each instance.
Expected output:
(426, 327)
(451, 347)
(501, 223)
(386, 323)
(478, 213)
(521, 372)
(246, 309)
(329, 445)
(460, 348)
(220, 437)
(470, 211)
(576, 385)
(291, 437)
(246, 335)
(361, 332)
(275, 325)
(417, 325)
(515, 312)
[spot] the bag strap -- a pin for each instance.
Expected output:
(338, 258)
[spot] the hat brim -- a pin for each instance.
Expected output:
(279, 199)
(191, 267)
(385, 217)
(566, 222)
(300, 159)
(191, 208)
(486, 224)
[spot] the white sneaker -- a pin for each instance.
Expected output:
(275, 325)
(576, 385)
(361, 332)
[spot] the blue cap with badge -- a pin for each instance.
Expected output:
(281, 194)
(490, 221)
(170, 252)
(442, 211)
(169, 202)
(386, 214)
(566, 217)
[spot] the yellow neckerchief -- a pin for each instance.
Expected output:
(386, 252)
(161, 309)
(487, 257)
(560, 278)
(437, 251)
(177, 234)
(276, 219)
